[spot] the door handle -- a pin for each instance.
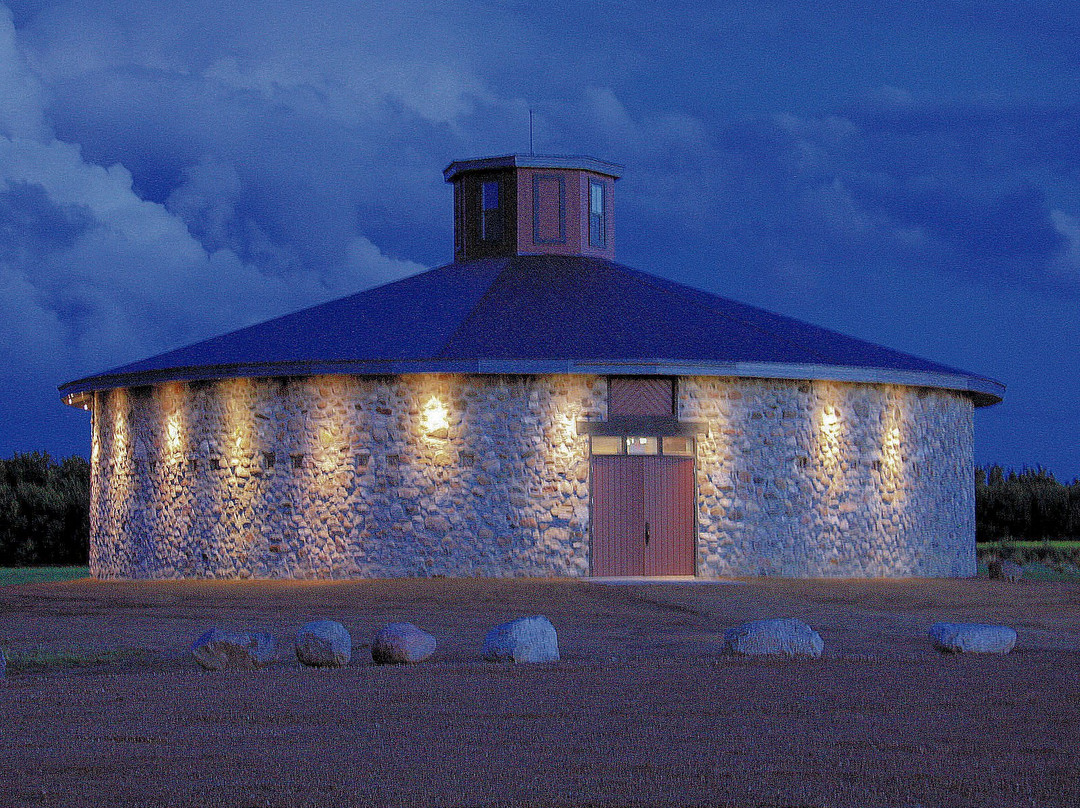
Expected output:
(646, 534)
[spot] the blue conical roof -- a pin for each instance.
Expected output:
(539, 314)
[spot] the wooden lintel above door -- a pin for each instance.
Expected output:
(662, 425)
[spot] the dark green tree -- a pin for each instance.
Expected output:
(1030, 505)
(44, 510)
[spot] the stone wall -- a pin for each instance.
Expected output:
(814, 479)
(337, 476)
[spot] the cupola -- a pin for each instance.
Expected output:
(533, 205)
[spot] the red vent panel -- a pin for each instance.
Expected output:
(654, 396)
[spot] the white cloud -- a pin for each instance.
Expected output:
(133, 276)
(21, 94)
(134, 280)
(1067, 264)
(377, 268)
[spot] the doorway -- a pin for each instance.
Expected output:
(642, 515)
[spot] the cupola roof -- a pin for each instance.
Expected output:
(571, 162)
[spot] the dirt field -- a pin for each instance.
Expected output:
(104, 706)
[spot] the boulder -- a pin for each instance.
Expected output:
(1007, 570)
(220, 649)
(1011, 571)
(529, 639)
(399, 643)
(786, 636)
(323, 644)
(972, 638)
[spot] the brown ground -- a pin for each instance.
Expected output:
(641, 711)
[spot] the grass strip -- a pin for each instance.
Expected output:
(39, 659)
(12, 576)
(1057, 544)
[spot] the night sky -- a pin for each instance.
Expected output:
(906, 172)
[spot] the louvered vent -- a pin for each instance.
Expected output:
(649, 396)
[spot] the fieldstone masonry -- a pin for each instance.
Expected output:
(426, 474)
(340, 476)
(817, 479)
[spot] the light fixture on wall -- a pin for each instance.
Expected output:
(435, 420)
(173, 433)
(830, 420)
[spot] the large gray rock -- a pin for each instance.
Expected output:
(786, 636)
(323, 644)
(220, 649)
(529, 639)
(399, 643)
(972, 638)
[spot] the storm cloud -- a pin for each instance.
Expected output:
(904, 172)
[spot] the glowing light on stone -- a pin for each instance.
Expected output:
(173, 433)
(893, 474)
(95, 438)
(120, 428)
(436, 418)
(890, 448)
(830, 429)
(239, 423)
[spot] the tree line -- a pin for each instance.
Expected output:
(45, 508)
(1028, 505)
(44, 511)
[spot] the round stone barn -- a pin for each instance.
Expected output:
(533, 408)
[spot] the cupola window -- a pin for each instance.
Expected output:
(597, 218)
(490, 220)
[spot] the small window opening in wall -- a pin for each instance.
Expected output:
(607, 444)
(678, 446)
(641, 446)
(674, 446)
(269, 459)
(597, 220)
(490, 221)
(297, 461)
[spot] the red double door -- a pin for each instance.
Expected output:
(642, 515)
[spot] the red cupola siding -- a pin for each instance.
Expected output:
(533, 408)
(533, 205)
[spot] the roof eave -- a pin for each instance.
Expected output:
(983, 391)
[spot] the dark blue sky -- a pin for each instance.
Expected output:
(905, 172)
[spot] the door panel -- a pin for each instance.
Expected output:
(630, 491)
(669, 504)
(618, 515)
